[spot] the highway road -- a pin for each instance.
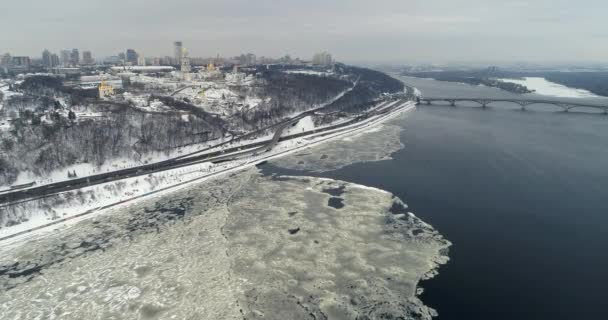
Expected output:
(229, 154)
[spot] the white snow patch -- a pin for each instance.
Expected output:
(548, 88)
(310, 72)
(217, 94)
(360, 186)
(305, 124)
(252, 102)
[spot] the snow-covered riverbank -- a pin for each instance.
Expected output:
(245, 246)
(547, 88)
(19, 220)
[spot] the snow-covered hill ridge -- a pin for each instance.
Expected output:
(52, 129)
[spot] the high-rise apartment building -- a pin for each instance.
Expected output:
(131, 57)
(323, 59)
(251, 59)
(5, 60)
(87, 57)
(75, 57)
(65, 58)
(54, 60)
(23, 62)
(46, 59)
(177, 52)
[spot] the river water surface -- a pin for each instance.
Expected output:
(521, 195)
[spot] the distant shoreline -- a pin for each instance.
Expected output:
(595, 83)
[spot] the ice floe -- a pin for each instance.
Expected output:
(375, 144)
(243, 246)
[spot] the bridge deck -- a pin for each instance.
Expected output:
(566, 105)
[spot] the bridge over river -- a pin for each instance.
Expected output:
(524, 103)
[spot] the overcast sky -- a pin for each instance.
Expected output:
(353, 30)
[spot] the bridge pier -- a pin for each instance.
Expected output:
(484, 102)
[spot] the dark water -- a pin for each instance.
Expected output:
(523, 196)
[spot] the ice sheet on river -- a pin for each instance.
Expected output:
(246, 246)
(372, 145)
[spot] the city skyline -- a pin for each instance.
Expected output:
(390, 31)
(130, 57)
(73, 55)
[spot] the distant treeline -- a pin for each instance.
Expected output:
(474, 78)
(596, 82)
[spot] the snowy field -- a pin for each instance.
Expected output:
(547, 88)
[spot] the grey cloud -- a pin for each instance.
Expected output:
(354, 30)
